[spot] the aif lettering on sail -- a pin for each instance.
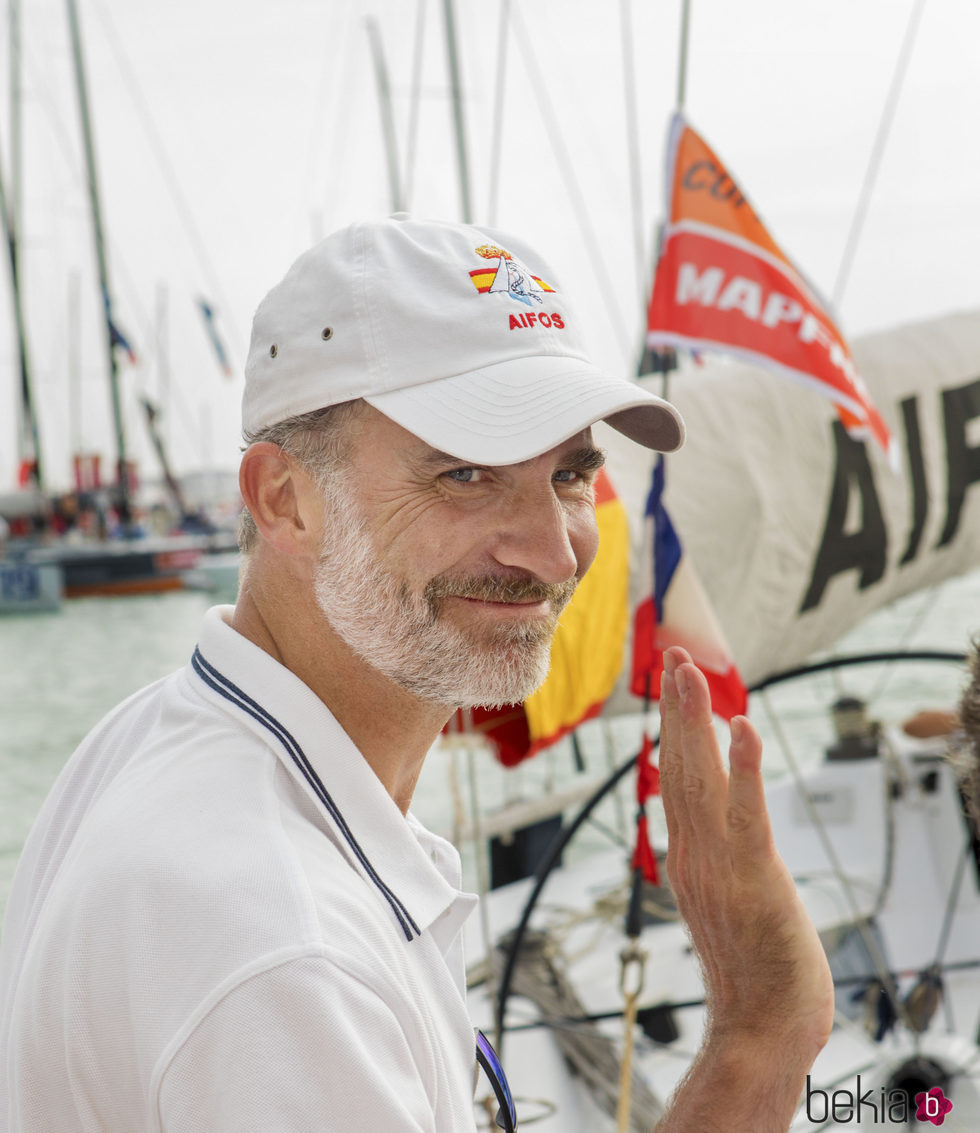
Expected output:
(864, 547)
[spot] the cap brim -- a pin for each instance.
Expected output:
(521, 408)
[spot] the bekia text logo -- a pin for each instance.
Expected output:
(874, 1105)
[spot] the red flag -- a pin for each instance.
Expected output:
(723, 283)
(647, 785)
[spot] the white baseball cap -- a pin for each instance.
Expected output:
(461, 335)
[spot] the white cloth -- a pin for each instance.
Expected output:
(196, 939)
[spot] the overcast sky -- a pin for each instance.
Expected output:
(231, 133)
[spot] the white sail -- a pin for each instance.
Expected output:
(796, 530)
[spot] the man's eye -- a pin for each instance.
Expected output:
(567, 476)
(464, 475)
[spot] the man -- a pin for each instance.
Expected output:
(968, 720)
(226, 918)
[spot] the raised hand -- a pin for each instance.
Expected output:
(769, 992)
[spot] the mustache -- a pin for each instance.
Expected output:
(491, 588)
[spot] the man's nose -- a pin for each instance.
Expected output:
(533, 535)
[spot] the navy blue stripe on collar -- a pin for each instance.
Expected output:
(231, 692)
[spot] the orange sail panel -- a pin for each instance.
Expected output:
(723, 283)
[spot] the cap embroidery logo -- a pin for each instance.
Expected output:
(509, 276)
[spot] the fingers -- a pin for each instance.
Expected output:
(693, 779)
(668, 759)
(708, 811)
(671, 757)
(748, 818)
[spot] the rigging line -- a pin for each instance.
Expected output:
(350, 73)
(497, 130)
(326, 96)
(633, 144)
(950, 910)
(63, 135)
(841, 1021)
(415, 101)
(877, 153)
(178, 406)
(139, 375)
(888, 869)
(191, 230)
(612, 835)
(912, 626)
(138, 315)
(861, 923)
(570, 180)
(611, 754)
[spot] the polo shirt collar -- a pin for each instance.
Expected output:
(416, 872)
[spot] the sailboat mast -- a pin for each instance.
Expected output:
(458, 123)
(664, 360)
(28, 440)
(125, 506)
(682, 63)
(28, 437)
(387, 118)
(15, 201)
(16, 70)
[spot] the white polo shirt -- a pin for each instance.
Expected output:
(221, 922)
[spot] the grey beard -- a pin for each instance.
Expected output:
(406, 637)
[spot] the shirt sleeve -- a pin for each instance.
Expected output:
(303, 1047)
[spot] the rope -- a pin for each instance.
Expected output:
(877, 153)
(566, 166)
(947, 925)
(911, 628)
(897, 772)
(630, 957)
(497, 130)
(633, 143)
(191, 230)
(590, 1053)
(548, 862)
(860, 922)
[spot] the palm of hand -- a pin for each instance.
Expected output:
(766, 974)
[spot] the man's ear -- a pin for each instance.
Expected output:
(276, 490)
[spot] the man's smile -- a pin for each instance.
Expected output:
(523, 606)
